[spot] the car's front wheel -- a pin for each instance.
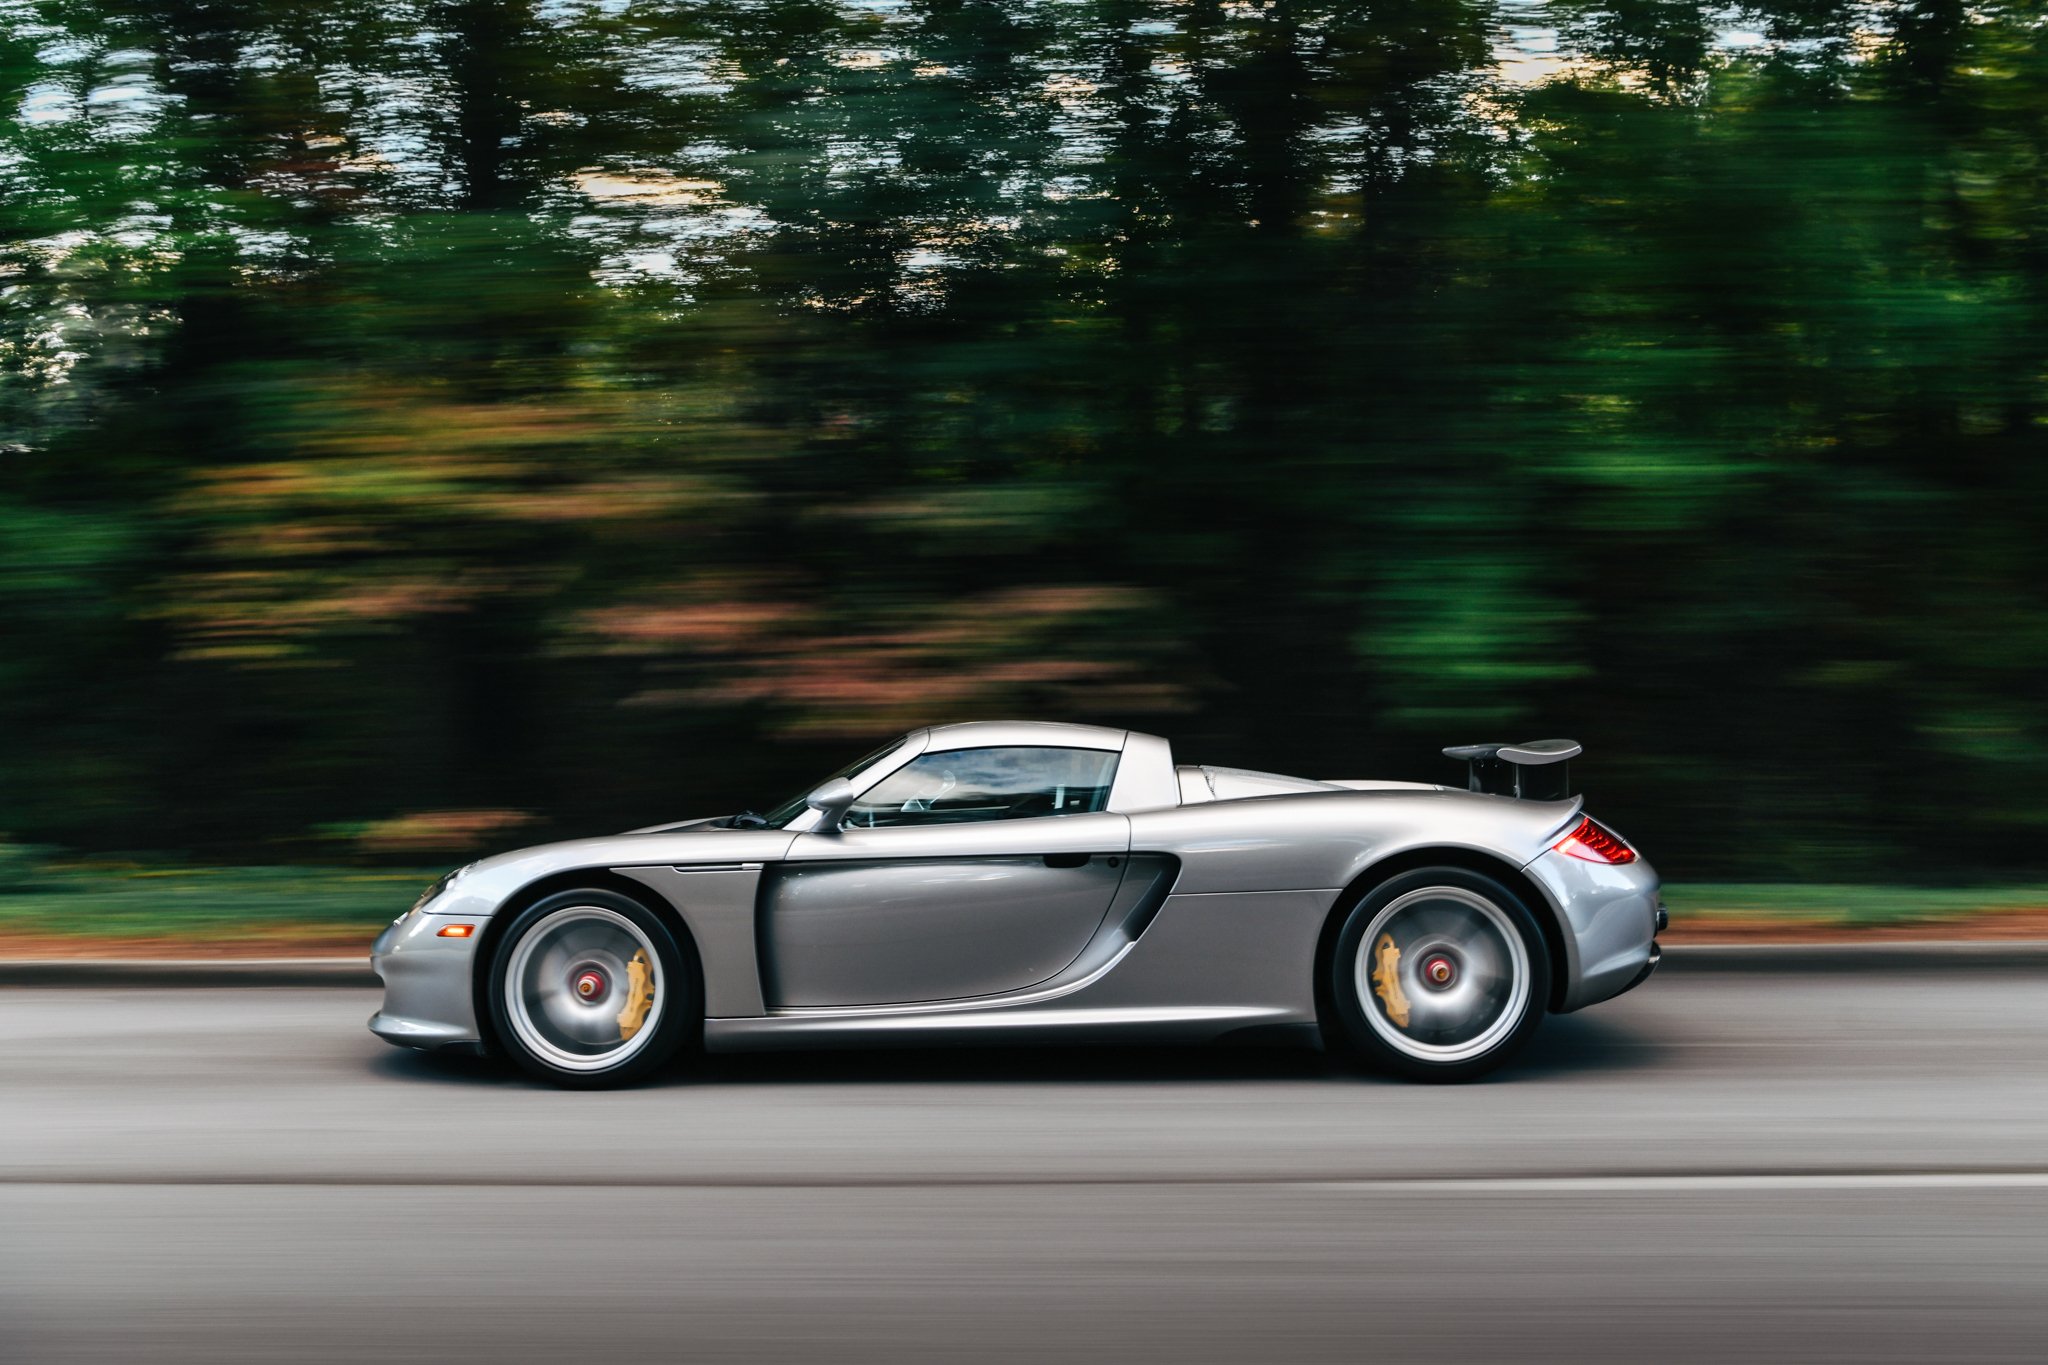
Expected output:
(589, 988)
(1439, 974)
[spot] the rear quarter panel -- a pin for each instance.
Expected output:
(1324, 841)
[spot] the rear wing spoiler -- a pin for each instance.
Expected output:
(1537, 771)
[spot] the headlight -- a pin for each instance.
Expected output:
(439, 885)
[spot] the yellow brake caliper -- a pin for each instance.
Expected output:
(639, 996)
(1386, 980)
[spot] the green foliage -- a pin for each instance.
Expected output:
(22, 867)
(202, 905)
(471, 415)
(1849, 905)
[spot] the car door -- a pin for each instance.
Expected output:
(965, 873)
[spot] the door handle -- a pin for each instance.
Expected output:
(1066, 859)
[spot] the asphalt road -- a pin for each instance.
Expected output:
(1729, 1165)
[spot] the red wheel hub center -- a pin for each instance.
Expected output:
(1439, 971)
(590, 984)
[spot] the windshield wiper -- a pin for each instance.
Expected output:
(748, 819)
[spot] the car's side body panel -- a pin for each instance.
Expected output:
(1203, 967)
(716, 904)
(1221, 950)
(936, 912)
(900, 932)
(1324, 841)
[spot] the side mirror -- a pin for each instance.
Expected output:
(833, 798)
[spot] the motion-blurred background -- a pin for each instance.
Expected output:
(435, 427)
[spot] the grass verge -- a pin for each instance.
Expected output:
(89, 908)
(1846, 905)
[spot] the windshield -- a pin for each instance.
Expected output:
(790, 809)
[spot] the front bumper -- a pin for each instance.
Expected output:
(429, 1000)
(1610, 915)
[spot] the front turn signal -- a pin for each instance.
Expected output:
(465, 930)
(1595, 843)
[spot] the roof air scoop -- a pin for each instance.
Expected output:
(1539, 770)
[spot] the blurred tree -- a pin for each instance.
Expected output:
(465, 416)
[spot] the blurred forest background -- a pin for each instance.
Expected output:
(432, 427)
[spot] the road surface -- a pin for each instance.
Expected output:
(1725, 1165)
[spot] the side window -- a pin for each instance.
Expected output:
(963, 785)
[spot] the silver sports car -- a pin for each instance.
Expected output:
(1019, 881)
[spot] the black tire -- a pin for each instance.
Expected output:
(1492, 991)
(553, 1027)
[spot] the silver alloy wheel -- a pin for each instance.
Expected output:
(1456, 982)
(568, 988)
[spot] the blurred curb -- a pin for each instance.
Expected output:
(262, 971)
(1896, 956)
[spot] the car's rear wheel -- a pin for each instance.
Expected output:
(1439, 974)
(589, 988)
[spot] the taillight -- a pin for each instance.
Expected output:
(1595, 843)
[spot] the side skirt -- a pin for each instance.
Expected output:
(1129, 1023)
